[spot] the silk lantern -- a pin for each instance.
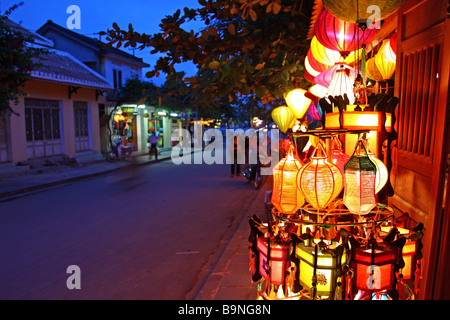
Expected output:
(338, 156)
(319, 180)
(286, 197)
(325, 78)
(341, 83)
(389, 53)
(385, 67)
(372, 71)
(318, 90)
(323, 54)
(313, 66)
(382, 173)
(340, 35)
(298, 102)
(314, 111)
(283, 117)
(320, 264)
(354, 10)
(359, 182)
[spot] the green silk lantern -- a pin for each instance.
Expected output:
(359, 182)
(283, 117)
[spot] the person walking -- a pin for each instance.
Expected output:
(153, 141)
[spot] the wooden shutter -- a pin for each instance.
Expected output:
(421, 83)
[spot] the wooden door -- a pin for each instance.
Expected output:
(421, 83)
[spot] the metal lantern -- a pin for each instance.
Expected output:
(286, 197)
(319, 180)
(273, 259)
(374, 267)
(298, 102)
(320, 267)
(359, 182)
(386, 67)
(283, 117)
(340, 35)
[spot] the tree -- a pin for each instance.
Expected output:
(248, 47)
(17, 60)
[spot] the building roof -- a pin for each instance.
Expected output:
(62, 68)
(95, 44)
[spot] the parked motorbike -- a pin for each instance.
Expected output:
(119, 151)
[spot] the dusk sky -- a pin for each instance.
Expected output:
(98, 15)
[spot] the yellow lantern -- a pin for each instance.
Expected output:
(298, 102)
(386, 67)
(322, 265)
(318, 90)
(323, 54)
(286, 197)
(372, 71)
(382, 173)
(319, 180)
(341, 83)
(283, 117)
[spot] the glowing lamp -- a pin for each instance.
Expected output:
(338, 156)
(283, 117)
(273, 267)
(359, 120)
(298, 102)
(374, 267)
(313, 66)
(382, 173)
(340, 35)
(372, 71)
(323, 54)
(354, 10)
(326, 77)
(359, 182)
(385, 67)
(320, 265)
(342, 83)
(318, 90)
(408, 251)
(314, 111)
(286, 197)
(319, 180)
(389, 53)
(393, 43)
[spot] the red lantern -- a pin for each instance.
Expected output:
(286, 197)
(374, 267)
(273, 267)
(340, 35)
(338, 156)
(313, 66)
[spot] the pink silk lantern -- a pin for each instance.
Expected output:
(340, 35)
(314, 112)
(325, 78)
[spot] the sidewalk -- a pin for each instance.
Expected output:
(230, 278)
(16, 181)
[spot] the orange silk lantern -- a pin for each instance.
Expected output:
(283, 117)
(286, 197)
(338, 156)
(319, 180)
(298, 102)
(359, 182)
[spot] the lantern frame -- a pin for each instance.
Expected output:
(272, 268)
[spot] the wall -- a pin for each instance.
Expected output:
(50, 91)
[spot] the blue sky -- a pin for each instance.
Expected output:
(98, 15)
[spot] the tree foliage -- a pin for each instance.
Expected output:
(247, 48)
(17, 60)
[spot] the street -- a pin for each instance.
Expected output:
(149, 232)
